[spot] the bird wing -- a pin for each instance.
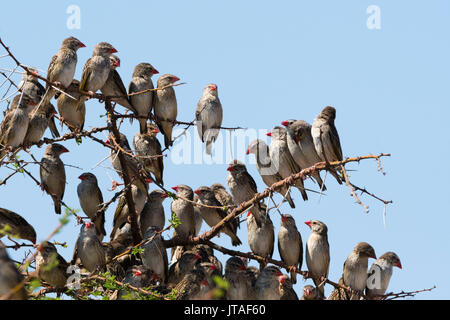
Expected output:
(87, 70)
(53, 129)
(51, 69)
(198, 117)
(119, 83)
(336, 142)
(5, 127)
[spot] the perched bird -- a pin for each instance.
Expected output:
(213, 216)
(91, 200)
(317, 253)
(152, 215)
(281, 158)
(260, 238)
(355, 273)
(10, 278)
(268, 283)
(51, 267)
(197, 217)
(268, 173)
(326, 138)
(155, 256)
(89, 249)
(208, 116)
(30, 85)
(239, 280)
(243, 187)
(290, 244)
(53, 174)
(310, 293)
(148, 151)
(114, 86)
(186, 263)
(142, 103)
(195, 285)
(286, 290)
(165, 104)
(13, 128)
(138, 276)
(380, 274)
(96, 69)
(225, 199)
(62, 67)
(301, 146)
(39, 122)
(14, 225)
(72, 111)
(132, 164)
(184, 211)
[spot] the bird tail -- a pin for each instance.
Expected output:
(294, 277)
(336, 176)
(209, 147)
(142, 125)
(167, 142)
(302, 190)
(320, 181)
(235, 241)
(57, 206)
(290, 201)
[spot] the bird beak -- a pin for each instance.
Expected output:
(81, 45)
(164, 195)
(213, 87)
(88, 225)
(283, 219)
(197, 257)
(213, 267)
(249, 214)
(33, 240)
(81, 177)
(117, 63)
(243, 268)
(308, 223)
(155, 130)
(155, 71)
(175, 188)
(269, 134)
(399, 265)
(278, 274)
(197, 192)
(248, 151)
(107, 141)
(175, 79)
(230, 168)
(285, 123)
(64, 150)
(281, 279)
(138, 273)
(374, 256)
(149, 180)
(113, 50)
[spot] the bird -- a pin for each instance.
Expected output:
(148, 151)
(53, 174)
(326, 138)
(14, 225)
(114, 85)
(142, 103)
(154, 255)
(13, 128)
(30, 85)
(194, 286)
(208, 116)
(380, 274)
(10, 278)
(72, 111)
(152, 215)
(89, 249)
(281, 158)
(268, 173)
(51, 266)
(355, 273)
(268, 283)
(290, 245)
(62, 67)
(225, 199)
(301, 147)
(260, 238)
(96, 69)
(165, 107)
(38, 123)
(309, 293)
(138, 276)
(184, 210)
(197, 217)
(286, 290)
(243, 187)
(317, 253)
(186, 263)
(239, 280)
(213, 216)
(91, 201)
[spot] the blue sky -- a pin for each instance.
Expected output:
(274, 62)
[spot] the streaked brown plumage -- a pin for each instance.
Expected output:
(14, 225)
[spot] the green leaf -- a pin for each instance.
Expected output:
(175, 221)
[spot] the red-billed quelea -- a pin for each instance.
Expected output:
(89, 249)
(153, 212)
(10, 278)
(264, 165)
(208, 116)
(165, 104)
(142, 103)
(267, 285)
(325, 136)
(213, 216)
(51, 267)
(261, 238)
(290, 245)
(301, 146)
(91, 201)
(39, 122)
(53, 174)
(225, 199)
(239, 280)
(62, 67)
(154, 255)
(184, 211)
(96, 69)
(380, 274)
(187, 261)
(310, 293)
(317, 253)
(72, 111)
(281, 158)
(148, 151)
(286, 290)
(138, 277)
(15, 226)
(355, 273)
(114, 85)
